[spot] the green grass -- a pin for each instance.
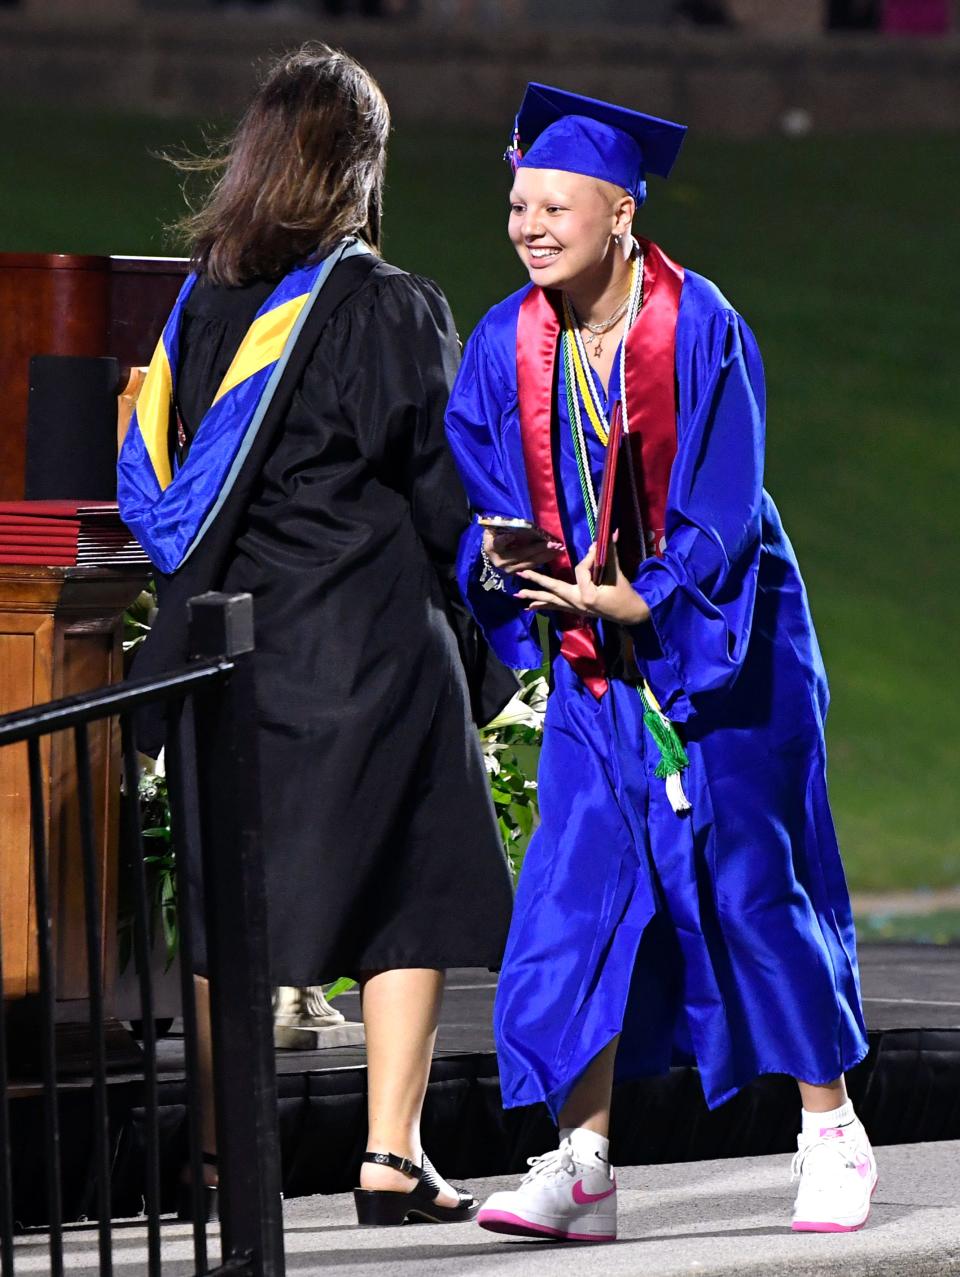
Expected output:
(842, 253)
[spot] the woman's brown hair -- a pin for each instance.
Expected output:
(304, 168)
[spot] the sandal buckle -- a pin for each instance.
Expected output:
(402, 1164)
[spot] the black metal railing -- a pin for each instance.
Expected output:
(213, 785)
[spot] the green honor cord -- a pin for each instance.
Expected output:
(673, 757)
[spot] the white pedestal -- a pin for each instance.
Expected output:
(305, 1038)
(303, 1020)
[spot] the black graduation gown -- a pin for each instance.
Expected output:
(381, 846)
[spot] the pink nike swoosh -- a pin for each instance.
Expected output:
(583, 1198)
(863, 1165)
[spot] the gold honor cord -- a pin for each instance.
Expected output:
(583, 378)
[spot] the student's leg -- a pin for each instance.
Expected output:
(589, 1104)
(570, 1191)
(401, 1008)
(823, 1099)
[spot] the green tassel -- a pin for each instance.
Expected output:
(673, 757)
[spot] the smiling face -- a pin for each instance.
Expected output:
(562, 224)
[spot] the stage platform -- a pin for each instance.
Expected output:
(907, 1090)
(715, 1218)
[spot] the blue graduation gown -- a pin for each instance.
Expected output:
(724, 937)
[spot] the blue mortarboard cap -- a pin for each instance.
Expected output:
(556, 129)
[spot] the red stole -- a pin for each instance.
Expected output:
(650, 376)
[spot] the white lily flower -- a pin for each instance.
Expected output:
(525, 709)
(491, 748)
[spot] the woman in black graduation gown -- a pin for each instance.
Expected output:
(382, 855)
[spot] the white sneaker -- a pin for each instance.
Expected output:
(568, 1193)
(837, 1171)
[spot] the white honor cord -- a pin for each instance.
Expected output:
(633, 310)
(678, 800)
(636, 305)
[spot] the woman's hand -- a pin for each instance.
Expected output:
(513, 551)
(618, 602)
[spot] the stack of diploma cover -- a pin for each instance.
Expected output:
(67, 534)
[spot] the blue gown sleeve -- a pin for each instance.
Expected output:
(478, 404)
(701, 592)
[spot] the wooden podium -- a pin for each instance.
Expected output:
(60, 628)
(73, 304)
(60, 633)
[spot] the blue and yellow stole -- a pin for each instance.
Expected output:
(169, 507)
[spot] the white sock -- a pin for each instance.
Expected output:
(587, 1146)
(813, 1123)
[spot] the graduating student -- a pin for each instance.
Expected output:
(683, 894)
(307, 464)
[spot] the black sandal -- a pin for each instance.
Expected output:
(379, 1206)
(209, 1198)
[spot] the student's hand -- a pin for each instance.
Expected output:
(513, 551)
(618, 602)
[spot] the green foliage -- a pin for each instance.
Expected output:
(511, 749)
(159, 859)
(343, 985)
(159, 856)
(138, 617)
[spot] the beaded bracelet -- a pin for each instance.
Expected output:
(490, 577)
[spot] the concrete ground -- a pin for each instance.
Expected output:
(711, 1219)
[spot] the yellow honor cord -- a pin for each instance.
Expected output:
(587, 391)
(655, 704)
(583, 381)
